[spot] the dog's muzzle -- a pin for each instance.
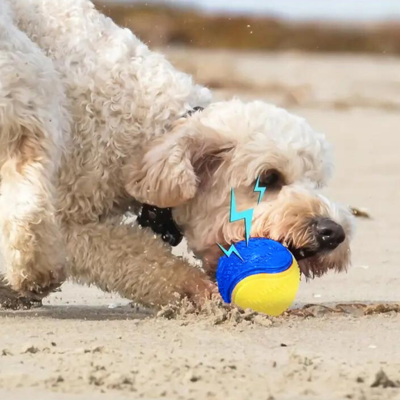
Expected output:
(328, 236)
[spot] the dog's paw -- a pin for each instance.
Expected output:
(36, 284)
(200, 290)
(10, 299)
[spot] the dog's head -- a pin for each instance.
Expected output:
(231, 145)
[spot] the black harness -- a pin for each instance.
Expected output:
(160, 220)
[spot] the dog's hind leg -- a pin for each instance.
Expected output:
(31, 130)
(132, 262)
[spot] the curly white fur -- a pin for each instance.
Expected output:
(91, 122)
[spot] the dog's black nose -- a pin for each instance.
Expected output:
(329, 234)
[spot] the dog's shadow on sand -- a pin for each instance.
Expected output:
(13, 306)
(81, 312)
(131, 312)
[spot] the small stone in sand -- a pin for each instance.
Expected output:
(360, 212)
(30, 349)
(382, 380)
(114, 305)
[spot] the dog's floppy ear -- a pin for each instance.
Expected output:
(167, 173)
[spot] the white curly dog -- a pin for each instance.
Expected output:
(92, 122)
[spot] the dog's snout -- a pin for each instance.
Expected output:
(329, 234)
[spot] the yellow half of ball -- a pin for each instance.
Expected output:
(270, 294)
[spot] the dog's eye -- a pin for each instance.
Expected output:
(270, 179)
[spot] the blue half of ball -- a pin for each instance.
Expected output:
(260, 256)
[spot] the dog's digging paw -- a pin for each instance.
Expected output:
(36, 285)
(12, 300)
(199, 291)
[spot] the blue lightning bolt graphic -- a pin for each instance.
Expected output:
(260, 190)
(246, 215)
(231, 250)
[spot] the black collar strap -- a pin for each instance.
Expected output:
(160, 220)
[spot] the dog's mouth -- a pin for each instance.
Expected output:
(303, 253)
(309, 258)
(310, 261)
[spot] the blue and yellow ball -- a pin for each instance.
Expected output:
(266, 280)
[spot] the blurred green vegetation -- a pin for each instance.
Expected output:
(165, 26)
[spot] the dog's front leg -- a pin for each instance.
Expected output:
(32, 125)
(132, 262)
(31, 241)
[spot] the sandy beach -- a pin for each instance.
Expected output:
(84, 344)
